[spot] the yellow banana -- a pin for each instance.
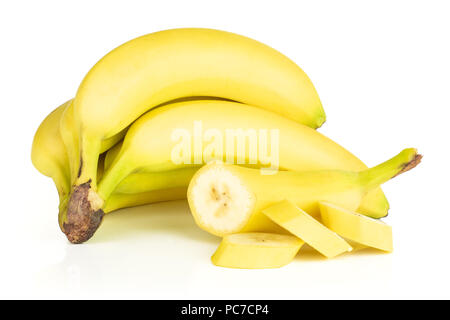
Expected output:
(142, 182)
(119, 200)
(356, 227)
(299, 223)
(151, 187)
(256, 250)
(226, 198)
(48, 154)
(167, 65)
(141, 154)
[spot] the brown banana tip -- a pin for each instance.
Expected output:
(83, 217)
(411, 164)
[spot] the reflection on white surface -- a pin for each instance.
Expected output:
(157, 251)
(136, 249)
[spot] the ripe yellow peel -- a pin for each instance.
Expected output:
(226, 199)
(121, 200)
(302, 225)
(48, 154)
(256, 250)
(171, 64)
(356, 227)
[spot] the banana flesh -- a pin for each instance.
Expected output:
(305, 227)
(256, 250)
(357, 227)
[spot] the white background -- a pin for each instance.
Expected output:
(382, 71)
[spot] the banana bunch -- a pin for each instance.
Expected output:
(114, 145)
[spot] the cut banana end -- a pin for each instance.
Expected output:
(311, 231)
(256, 250)
(219, 201)
(357, 227)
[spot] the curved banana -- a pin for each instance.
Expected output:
(356, 227)
(256, 250)
(305, 227)
(166, 65)
(48, 154)
(140, 158)
(300, 148)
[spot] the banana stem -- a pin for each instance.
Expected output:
(404, 161)
(84, 214)
(89, 155)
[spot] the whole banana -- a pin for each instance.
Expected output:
(147, 147)
(167, 65)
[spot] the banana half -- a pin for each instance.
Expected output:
(227, 199)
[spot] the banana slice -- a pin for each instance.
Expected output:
(302, 225)
(357, 227)
(256, 250)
